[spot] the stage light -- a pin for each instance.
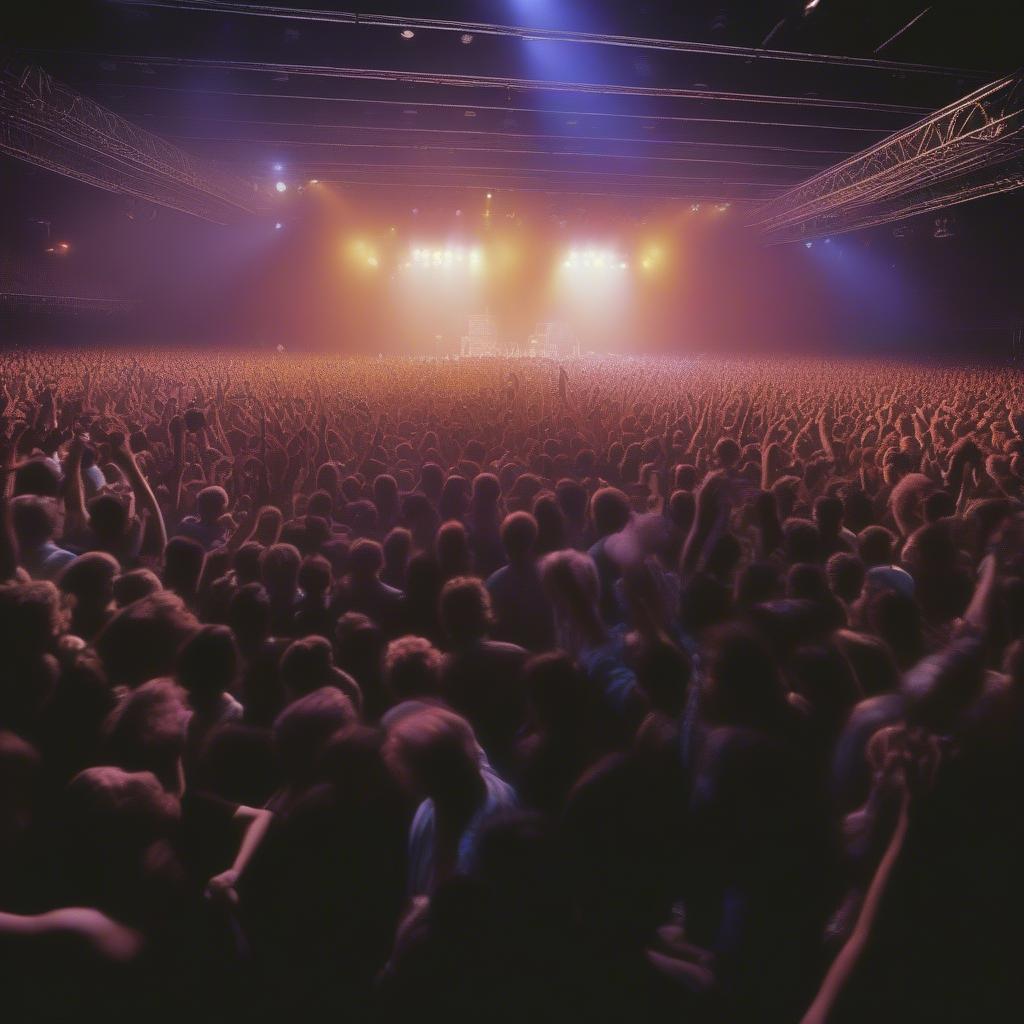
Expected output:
(314, 181)
(695, 208)
(810, 5)
(372, 261)
(807, 245)
(281, 187)
(489, 195)
(279, 168)
(466, 38)
(407, 33)
(278, 226)
(828, 241)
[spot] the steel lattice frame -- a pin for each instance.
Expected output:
(47, 124)
(969, 149)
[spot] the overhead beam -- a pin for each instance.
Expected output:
(969, 149)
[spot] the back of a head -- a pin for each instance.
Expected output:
(303, 729)
(306, 665)
(465, 609)
(610, 510)
(828, 514)
(365, 559)
(90, 577)
(412, 668)
(572, 499)
(279, 568)
(519, 536)
(211, 503)
(34, 519)
(208, 665)
(142, 640)
(146, 731)
(486, 491)
(108, 518)
(727, 452)
(800, 540)
(249, 613)
(434, 748)
(315, 575)
(845, 573)
(183, 564)
(132, 586)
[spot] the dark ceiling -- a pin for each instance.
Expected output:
(740, 117)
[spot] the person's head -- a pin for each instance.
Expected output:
(183, 565)
(396, 548)
(359, 648)
(208, 665)
(142, 640)
(247, 563)
(434, 753)
(727, 452)
(828, 514)
(146, 731)
(385, 495)
(571, 582)
(465, 609)
(268, 526)
(454, 500)
(132, 586)
(117, 829)
(365, 560)
(610, 511)
(279, 570)
(551, 532)
(519, 537)
(800, 541)
(875, 545)
(412, 669)
(486, 493)
(572, 500)
(89, 580)
(306, 665)
(249, 615)
(321, 504)
(34, 520)
(315, 576)
(452, 549)
(108, 519)
(845, 573)
(939, 505)
(303, 730)
(211, 504)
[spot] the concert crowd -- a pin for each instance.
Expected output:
(623, 690)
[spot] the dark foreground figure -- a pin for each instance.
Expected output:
(392, 690)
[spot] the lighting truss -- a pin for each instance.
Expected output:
(504, 83)
(479, 28)
(969, 149)
(49, 125)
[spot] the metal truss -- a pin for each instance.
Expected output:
(969, 149)
(12, 301)
(50, 125)
(371, 20)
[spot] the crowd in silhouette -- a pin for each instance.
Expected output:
(631, 689)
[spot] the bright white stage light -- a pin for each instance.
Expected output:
(278, 226)
(281, 187)
(407, 33)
